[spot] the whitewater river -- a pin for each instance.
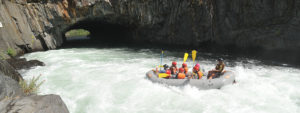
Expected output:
(112, 80)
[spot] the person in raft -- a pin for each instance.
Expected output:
(217, 71)
(166, 68)
(181, 74)
(173, 69)
(186, 69)
(198, 65)
(197, 74)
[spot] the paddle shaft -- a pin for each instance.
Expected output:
(161, 59)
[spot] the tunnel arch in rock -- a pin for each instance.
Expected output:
(106, 29)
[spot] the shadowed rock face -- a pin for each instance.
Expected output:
(8, 70)
(22, 63)
(9, 87)
(228, 25)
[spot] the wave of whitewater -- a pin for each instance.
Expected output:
(112, 80)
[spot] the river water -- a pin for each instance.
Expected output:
(112, 80)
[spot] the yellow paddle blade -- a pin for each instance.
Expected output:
(163, 75)
(185, 57)
(194, 53)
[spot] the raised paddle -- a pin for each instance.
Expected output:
(161, 59)
(162, 75)
(194, 53)
(185, 57)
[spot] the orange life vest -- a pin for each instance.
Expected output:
(181, 76)
(198, 75)
(185, 70)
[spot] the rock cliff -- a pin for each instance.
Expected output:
(265, 24)
(269, 24)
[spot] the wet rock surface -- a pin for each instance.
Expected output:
(9, 70)
(22, 63)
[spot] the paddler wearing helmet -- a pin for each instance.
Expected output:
(166, 68)
(197, 74)
(173, 68)
(181, 74)
(186, 69)
(218, 70)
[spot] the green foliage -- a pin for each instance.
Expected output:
(32, 39)
(11, 52)
(32, 86)
(2, 55)
(77, 32)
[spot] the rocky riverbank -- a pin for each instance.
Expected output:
(12, 98)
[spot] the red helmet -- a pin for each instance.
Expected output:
(168, 71)
(184, 65)
(181, 70)
(174, 63)
(196, 68)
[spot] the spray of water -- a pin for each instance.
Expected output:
(112, 80)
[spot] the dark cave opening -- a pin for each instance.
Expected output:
(112, 33)
(101, 33)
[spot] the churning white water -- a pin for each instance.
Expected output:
(112, 80)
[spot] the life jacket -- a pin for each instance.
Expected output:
(168, 71)
(180, 76)
(197, 75)
(220, 67)
(200, 74)
(186, 70)
(172, 69)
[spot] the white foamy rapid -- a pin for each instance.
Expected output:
(112, 80)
